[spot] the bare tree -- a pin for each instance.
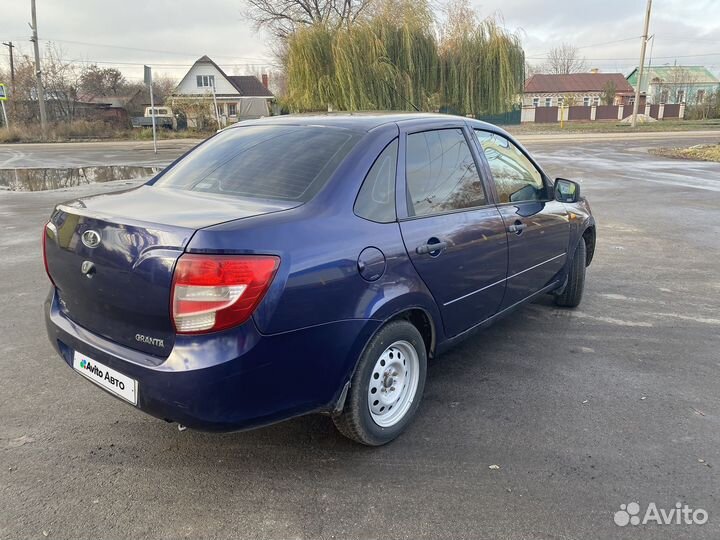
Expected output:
(96, 81)
(282, 17)
(565, 59)
(164, 86)
(608, 93)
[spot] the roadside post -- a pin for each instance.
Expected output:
(148, 81)
(3, 99)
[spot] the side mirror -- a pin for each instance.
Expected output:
(566, 191)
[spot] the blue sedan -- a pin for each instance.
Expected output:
(295, 265)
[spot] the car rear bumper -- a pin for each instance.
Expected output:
(233, 380)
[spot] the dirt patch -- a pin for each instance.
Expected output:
(699, 152)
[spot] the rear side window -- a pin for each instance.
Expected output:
(266, 162)
(441, 173)
(376, 200)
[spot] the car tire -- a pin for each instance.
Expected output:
(390, 375)
(573, 291)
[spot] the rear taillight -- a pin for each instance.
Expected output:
(214, 292)
(51, 227)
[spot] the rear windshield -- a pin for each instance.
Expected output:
(266, 162)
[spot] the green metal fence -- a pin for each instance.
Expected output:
(502, 119)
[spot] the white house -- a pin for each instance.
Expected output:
(237, 97)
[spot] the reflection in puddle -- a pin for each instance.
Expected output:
(42, 179)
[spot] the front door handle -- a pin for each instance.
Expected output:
(518, 227)
(431, 248)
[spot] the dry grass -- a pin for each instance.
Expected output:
(700, 152)
(614, 127)
(82, 130)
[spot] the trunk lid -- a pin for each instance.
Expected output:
(112, 257)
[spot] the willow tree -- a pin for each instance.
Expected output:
(482, 71)
(394, 60)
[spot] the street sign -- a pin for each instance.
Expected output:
(148, 75)
(3, 92)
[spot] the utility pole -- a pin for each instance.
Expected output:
(643, 46)
(10, 46)
(149, 81)
(38, 71)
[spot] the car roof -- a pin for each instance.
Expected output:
(359, 121)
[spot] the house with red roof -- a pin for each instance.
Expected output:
(577, 89)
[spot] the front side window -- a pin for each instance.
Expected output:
(267, 162)
(441, 173)
(516, 178)
(376, 199)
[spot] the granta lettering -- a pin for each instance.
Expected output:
(155, 342)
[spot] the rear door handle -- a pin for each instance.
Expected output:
(518, 227)
(436, 247)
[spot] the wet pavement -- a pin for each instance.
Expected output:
(51, 178)
(582, 410)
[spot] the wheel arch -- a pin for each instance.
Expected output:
(588, 236)
(418, 316)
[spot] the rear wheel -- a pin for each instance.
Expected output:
(387, 386)
(572, 294)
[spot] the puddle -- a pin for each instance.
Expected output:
(43, 179)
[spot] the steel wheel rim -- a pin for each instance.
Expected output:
(393, 383)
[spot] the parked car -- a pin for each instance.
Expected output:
(294, 265)
(164, 118)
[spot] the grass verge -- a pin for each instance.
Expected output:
(700, 152)
(85, 131)
(615, 127)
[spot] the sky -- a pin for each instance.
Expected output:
(171, 34)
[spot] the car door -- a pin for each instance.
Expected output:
(454, 235)
(537, 225)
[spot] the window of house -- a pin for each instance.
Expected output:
(376, 199)
(680, 96)
(232, 109)
(596, 101)
(700, 96)
(664, 96)
(586, 101)
(561, 101)
(548, 102)
(206, 81)
(221, 108)
(536, 101)
(441, 173)
(516, 178)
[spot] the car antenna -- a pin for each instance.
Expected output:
(401, 96)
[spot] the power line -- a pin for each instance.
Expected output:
(138, 49)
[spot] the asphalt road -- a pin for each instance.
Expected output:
(67, 155)
(582, 410)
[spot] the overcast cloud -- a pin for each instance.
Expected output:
(171, 34)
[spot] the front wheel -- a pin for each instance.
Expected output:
(572, 294)
(387, 386)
